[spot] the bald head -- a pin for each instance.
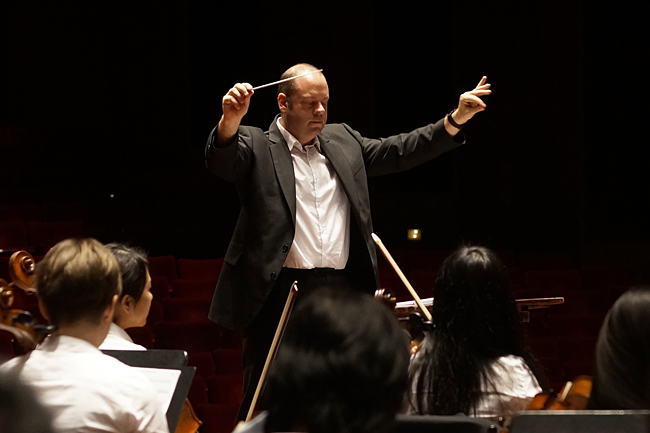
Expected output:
(289, 87)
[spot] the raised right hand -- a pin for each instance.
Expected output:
(235, 103)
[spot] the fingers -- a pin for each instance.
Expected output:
(239, 96)
(472, 100)
(483, 81)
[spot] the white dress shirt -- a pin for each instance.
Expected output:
(322, 237)
(87, 391)
(118, 339)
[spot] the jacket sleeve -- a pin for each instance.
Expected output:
(230, 161)
(405, 151)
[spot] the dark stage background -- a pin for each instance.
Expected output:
(105, 109)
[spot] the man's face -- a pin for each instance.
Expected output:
(305, 113)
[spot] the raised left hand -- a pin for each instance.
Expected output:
(471, 103)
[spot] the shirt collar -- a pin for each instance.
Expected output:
(291, 140)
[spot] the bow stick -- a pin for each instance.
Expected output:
(274, 346)
(400, 274)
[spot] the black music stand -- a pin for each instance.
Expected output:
(166, 359)
(582, 421)
(442, 424)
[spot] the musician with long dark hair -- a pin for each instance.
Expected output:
(476, 360)
(622, 377)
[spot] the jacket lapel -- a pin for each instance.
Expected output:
(283, 167)
(342, 168)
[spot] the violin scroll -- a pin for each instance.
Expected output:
(21, 269)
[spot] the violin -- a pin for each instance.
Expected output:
(574, 395)
(20, 323)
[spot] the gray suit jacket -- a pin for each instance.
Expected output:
(259, 164)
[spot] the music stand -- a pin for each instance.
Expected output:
(165, 359)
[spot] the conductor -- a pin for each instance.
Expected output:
(305, 207)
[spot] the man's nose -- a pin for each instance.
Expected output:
(320, 108)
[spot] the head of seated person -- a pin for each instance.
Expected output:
(78, 284)
(342, 366)
(622, 373)
(135, 301)
(476, 324)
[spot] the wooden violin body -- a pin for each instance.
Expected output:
(574, 395)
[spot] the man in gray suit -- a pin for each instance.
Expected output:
(305, 212)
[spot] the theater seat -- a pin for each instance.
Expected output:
(231, 339)
(143, 336)
(163, 266)
(193, 289)
(188, 336)
(225, 389)
(217, 418)
(160, 287)
(199, 269)
(198, 393)
(203, 362)
(227, 361)
(155, 312)
(185, 310)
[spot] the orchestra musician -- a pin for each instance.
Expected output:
(622, 373)
(305, 212)
(476, 360)
(78, 284)
(342, 367)
(134, 303)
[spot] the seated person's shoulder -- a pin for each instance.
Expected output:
(515, 377)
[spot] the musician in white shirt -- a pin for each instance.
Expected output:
(133, 306)
(78, 283)
(475, 361)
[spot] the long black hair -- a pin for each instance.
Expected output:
(622, 377)
(475, 322)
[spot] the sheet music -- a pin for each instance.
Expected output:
(164, 383)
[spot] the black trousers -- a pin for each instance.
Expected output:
(258, 336)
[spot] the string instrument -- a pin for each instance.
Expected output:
(188, 422)
(20, 323)
(410, 313)
(279, 332)
(413, 321)
(574, 395)
(28, 333)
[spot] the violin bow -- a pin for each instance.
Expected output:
(274, 346)
(400, 274)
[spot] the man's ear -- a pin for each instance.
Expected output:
(283, 102)
(110, 310)
(43, 309)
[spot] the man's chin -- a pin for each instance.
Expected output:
(317, 126)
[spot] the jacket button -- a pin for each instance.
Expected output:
(285, 248)
(273, 275)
